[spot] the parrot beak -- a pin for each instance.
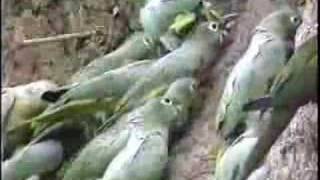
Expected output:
(179, 108)
(229, 21)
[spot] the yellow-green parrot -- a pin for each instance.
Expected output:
(98, 94)
(135, 48)
(40, 158)
(45, 153)
(294, 86)
(199, 50)
(262, 172)
(157, 15)
(93, 160)
(231, 164)
(270, 48)
(146, 153)
(18, 104)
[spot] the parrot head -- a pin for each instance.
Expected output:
(214, 31)
(282, 23)
(182, 94)
(29, 95)
(167, 109)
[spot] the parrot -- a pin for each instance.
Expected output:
(284, 97)
(94, 158)
(146, 153)
(196, 52)
(293, 87)
(168, 21)
(182, 24)
(18, 104)
(98, 94)
(297, 79)
(45, 153)
(40, 158)
(231, 163)
(271, 46)
(141, 45)
(135, 48)
(260, 173)
(157, 15)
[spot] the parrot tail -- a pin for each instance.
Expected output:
(258, 104)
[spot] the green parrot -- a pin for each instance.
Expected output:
(157, 15)
(18, 104)
(196, 52)
(135, 48)
(170, 20)
(92, 161)
(45, 153)
(294, 86)
(98, 94)
(231, 163)
(262, 172)
(270, 49)
(297, 79)
(182, 24)
(40, 158)
(146, 153)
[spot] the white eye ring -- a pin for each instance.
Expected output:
(147, 41)
(295, 19)
(166, 101)
(193, 86)
(213, 26)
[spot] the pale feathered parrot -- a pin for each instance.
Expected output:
(199, 50)
(135, 48)
(45, 153)
(157, 15)
(246, 153)
(262, 172)
(40, 158)
(294, 86)
(18, 104)
(146, 153)
(98, 94)
(230, 165)
(296, 83)
(270, 49)
(93, 160)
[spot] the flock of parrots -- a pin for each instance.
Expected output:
(115, 117)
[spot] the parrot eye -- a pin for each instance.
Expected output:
(213, 26)
(147, 41)
(166, 101)
(295, 20)
(193, 86)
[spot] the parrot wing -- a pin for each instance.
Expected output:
(7, 103)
